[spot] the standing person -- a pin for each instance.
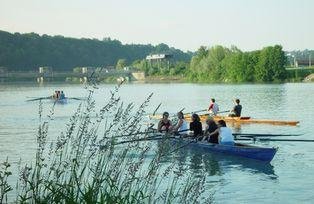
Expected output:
(196, 126)
(213, 107)
(182, 126)
(225, 133)
(211, 127)
(236, 111)
(164, 123)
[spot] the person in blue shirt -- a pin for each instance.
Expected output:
(62, 95)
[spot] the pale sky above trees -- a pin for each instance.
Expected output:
(247, 24)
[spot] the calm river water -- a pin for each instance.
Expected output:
(289, 178)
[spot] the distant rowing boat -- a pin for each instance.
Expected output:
(60, 101)
(228, 119)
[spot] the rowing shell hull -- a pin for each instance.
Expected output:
(61, 101)
(246, 120)
(243, 150)
(239, 120)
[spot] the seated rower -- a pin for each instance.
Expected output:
(211, 127)
(164, 124)
(58, 95)
(182, 126)
(196, 126)
(55, 95)
(62, 95)
(225, 133)
(213, 107)
(236, 111)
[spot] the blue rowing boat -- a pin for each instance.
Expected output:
(60, 101)
(243, 150)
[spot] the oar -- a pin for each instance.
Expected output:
(156, 109)
(151, 137)
(75, 98)
(174, 115)
(223, 111)
(157, 137)
(41, 98)
(263, 135)
(277, 140)
(210, 114)
(32, 97)
(197, 111)
(205, 110)
(181, 110)
(138, 133)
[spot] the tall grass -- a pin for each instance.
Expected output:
(84, 164)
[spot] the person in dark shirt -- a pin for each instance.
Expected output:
(164, 123)
(236, 111)
(196, 126)
(211, 126)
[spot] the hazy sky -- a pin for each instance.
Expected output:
(248, 24)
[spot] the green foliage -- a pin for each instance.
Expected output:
(219, 64)
(4, 185)
(270, 66)
(178, 68)
(29, 51)
(121, 63)
(215, 64)
(297, 75)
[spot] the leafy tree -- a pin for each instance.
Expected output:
(270, 66)
(121, 64)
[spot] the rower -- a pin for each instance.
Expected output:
(62, 95)
(182, 126)
(55, 95)
(211, 127)
(236, 111)
(196, 126)
(213, 107)
(164, 123)
(225, 133)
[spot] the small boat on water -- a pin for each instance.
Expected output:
(265, 154)
(60, 101)
(59, 97)
(241, 120)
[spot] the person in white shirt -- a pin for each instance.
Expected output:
(182, 126)
(225, 133)
(213, 107)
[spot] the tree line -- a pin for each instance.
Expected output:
(222, 64)
(29, 51)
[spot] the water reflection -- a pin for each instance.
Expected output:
(198, 160)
